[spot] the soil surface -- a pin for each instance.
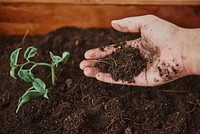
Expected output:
(78, 104)
(123, 64)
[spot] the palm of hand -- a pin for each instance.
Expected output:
(165, 55)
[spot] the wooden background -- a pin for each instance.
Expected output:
(114, 2)
(42, 16)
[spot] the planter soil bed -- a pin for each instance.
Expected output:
(78, 104)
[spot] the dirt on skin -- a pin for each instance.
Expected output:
(78, 104)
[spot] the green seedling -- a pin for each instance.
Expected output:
(38, 87)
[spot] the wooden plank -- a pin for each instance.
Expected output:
(17, 18)
(113, 2)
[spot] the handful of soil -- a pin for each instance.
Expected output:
(123, 64)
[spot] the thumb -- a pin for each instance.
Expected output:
(131, 24)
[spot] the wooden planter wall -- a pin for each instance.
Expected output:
(42, 16)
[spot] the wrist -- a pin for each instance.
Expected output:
(192, 51)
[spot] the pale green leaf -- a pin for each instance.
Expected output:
(45, 95)
(30, 94)
(55, 59)
(65, 57)
(12, 72)
(39, 85)
(30, 52)
(14, 57)
(51, 55)
(26, 75)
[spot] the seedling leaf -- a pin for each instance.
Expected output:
(12, 72)
(26, 75)
(39, 85)
(14, 57)
(56, 59)
(51, 55)
(65, 57)
(30, 94)
(30, 52)
(46, 91)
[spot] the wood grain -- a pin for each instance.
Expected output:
(39, 18)
(114, 2)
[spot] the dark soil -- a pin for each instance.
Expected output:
(123, 64)
(78, 104)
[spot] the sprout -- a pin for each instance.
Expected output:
(38, 87)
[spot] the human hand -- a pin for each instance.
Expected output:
(165, 40)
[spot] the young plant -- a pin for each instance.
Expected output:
(38, 87)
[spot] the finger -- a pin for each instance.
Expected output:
(87, 63)
(131, 24)
(98, 54)
(107, 78)
(141, 80)
(91, 71)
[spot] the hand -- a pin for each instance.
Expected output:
(165, 40)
